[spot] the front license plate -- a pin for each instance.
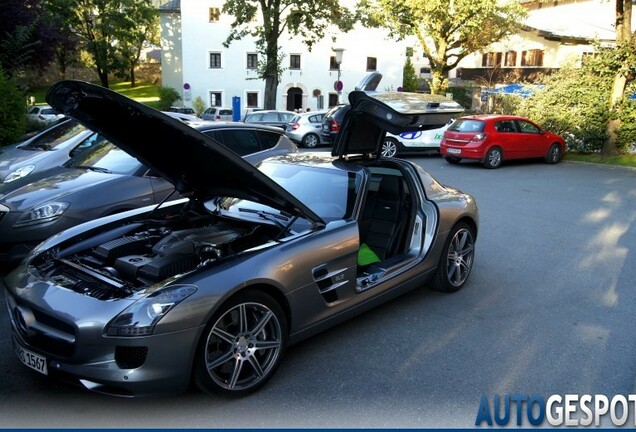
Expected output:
(454, 150)
(31, 359)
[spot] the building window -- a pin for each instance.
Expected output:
(294, 61)
(372, 64)
(491, 59)
(215, 14)
(252, 61)
(216, 99)
(532, 57)
(332, 63)
(511, 59)
(215, 60)
(252, 99)
(333, 99)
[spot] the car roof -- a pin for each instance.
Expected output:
(203, 125)
(491, 117)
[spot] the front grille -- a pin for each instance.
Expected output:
(130, 357)
(43, 332)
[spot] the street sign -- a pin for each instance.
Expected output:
(338, 86)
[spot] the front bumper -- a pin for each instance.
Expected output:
(120, 366)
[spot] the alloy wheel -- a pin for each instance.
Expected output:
(243, 346)
(460, 257)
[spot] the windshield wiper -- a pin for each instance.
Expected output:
(92, 168)
(276, 218)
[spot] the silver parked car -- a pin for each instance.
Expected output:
(50, 148)
(43, 115)
(213, 288)
(306, 129)
(218, 114)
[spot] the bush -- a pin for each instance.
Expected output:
(12, 111)
(462, 95)
(573, 104)
(198, 106)
(167, 97)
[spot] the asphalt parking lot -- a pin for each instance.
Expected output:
(548, 310)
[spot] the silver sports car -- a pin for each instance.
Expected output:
(212, 288)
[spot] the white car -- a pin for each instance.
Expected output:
(407, 142)
(43, 114)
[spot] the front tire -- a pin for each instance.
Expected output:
(389, 147)
(457, 259)
(242, 345)
(554, 154)
(311, 140)
(494, 157)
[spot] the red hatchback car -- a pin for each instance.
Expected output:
(491, 139)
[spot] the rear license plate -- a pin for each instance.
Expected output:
(31, 359)
(454, 150)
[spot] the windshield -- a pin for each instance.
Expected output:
(105, 157)
(55, 136)
(328, 192)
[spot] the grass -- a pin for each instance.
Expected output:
(145, 93)
(628, 160)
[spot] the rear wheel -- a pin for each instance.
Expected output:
(452, 160)
(389, 147)
(242, 345)
(494, 157)
(457, 259)
(554, 154)
(311, 140)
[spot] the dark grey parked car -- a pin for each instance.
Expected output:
(212, 289)
(104, 180)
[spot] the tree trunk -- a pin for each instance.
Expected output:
(623, 25)
(439, 82)
(618, 90)
(132, 76)
(103, 77)
(271, 73)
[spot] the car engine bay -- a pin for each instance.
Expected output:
(119, 262)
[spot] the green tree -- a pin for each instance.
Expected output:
(148, 29)
(106, 28)
(12, 111)
(410, 81)
(268, 20)
(447, 30)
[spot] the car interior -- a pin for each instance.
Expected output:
(383, 225)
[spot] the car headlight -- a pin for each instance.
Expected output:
(43, 213)
(19, 173)
(140, 318)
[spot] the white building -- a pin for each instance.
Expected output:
(554, 33)
(195, 62)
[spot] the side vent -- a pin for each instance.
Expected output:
(328, 282)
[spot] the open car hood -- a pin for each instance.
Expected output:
(372, 114)
(194, 163)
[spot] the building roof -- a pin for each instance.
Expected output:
(580, 22)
